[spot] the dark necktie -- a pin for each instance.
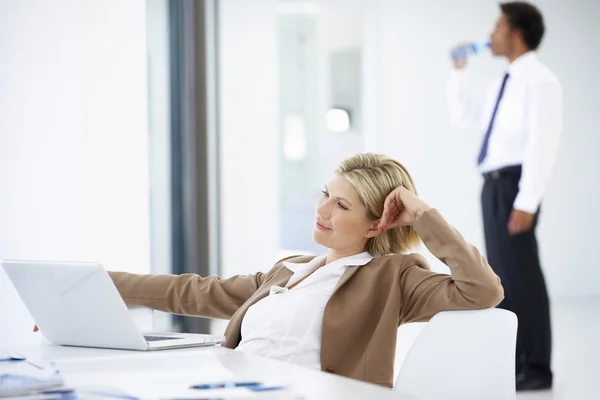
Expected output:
(488, 133)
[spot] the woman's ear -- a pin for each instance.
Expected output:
(374, 230)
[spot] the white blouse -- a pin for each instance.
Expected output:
(287, 325)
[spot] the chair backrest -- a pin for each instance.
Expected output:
(463, 355)
(406, 336)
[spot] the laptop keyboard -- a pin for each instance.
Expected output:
(158, 338)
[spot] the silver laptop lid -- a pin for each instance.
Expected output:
(75, 304)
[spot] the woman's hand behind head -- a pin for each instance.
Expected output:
(401, 208)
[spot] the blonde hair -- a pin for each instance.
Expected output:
(374, 176)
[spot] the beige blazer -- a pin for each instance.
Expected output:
(363, 314)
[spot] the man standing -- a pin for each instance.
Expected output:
(521, 116)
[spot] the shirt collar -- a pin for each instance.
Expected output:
(522, 62)
(355, 260)
(295, 267)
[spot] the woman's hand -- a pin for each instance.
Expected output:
(401, 208)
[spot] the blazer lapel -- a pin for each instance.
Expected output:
(350, 271)
(233, 333)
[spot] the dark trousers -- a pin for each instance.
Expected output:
(515, 260)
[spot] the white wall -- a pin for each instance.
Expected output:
(249, 144)
(159, 146)
(73, 139)
(341, 28)
(412, 39)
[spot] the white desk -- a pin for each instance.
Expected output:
(170, 372)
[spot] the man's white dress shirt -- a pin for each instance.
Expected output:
(287, 324)
(527, 126)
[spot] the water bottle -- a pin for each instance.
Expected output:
(461, 52)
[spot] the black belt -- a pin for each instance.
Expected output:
(514, 171)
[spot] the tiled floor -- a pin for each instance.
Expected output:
(576, 351)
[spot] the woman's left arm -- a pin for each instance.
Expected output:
(471, 285)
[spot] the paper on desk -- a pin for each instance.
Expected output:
(20, 377)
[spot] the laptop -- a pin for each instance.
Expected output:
(77, 304)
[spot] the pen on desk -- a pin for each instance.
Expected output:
(11, 355)
(221, 385)
(265, 388)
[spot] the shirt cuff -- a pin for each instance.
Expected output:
(458, 72)
(527, 203)
(457, 77)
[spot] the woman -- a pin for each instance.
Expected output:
(339, 312)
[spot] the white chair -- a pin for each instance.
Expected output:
(462, 355)
(407, 334)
